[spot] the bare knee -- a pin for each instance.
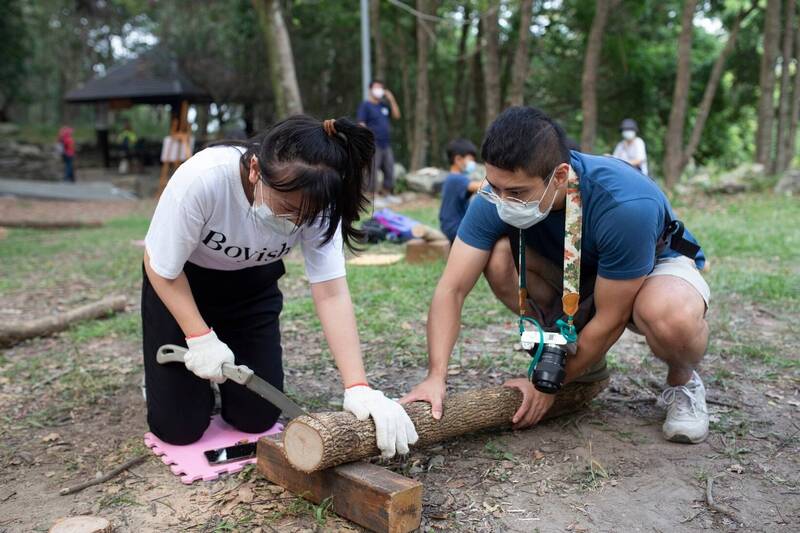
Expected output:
(671, 324)
(500, 272)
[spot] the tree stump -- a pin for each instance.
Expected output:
(322, 440)
(421, 251)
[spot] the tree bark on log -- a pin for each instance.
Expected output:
(13, 332)
(323, 440)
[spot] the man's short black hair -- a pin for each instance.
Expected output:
(373, 82)
(525, 138)
(460, 147)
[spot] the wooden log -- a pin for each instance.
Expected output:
(373, 497)
(427, 233)
(82, 524)
(420, 251)
(13, 332)
(322, 440)
(51, 224)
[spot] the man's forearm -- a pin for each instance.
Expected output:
(594, 341)
(444, 323)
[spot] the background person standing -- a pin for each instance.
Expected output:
(631, 148)
(67, 147)
(375, 113)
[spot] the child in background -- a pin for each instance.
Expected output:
(67, 149)
(457, 187)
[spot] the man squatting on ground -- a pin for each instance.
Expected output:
(631, 274)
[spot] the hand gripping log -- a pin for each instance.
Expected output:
(323, 440)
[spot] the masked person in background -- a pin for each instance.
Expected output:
(214, 254)
(635, 271)
(631, 148)
(457, 188)
(375, 113)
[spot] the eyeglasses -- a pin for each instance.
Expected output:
(486, 192)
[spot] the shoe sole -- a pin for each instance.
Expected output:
(685, 439)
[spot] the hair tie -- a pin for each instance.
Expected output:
(329, 126)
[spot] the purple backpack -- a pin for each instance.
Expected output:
(399, 226)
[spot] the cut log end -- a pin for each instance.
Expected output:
(305, 447)
(323, 440)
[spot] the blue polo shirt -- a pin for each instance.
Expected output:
(623, 218)
(376, 117)
(455, 200)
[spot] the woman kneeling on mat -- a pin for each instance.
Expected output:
(214, 253)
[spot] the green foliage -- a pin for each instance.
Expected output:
(220, 45)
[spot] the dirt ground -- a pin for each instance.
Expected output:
(604, 469)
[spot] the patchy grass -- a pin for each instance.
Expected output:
(753, 246)
(102, 258)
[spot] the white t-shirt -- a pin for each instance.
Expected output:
(204, 217)
(632, 151)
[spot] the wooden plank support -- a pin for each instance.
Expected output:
(372, 497)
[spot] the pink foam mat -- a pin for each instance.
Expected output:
(189, 462)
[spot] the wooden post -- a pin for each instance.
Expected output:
(322, 440)
(371, 496)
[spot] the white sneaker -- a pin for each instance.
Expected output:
(687, 415)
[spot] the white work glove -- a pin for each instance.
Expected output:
(393, 427)
(206, 355)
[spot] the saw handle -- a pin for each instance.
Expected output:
(172, 353)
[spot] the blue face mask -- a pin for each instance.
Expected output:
(470, 167)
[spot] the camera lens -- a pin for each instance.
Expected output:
(549, 374)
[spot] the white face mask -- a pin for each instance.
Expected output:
(278, 224)
(628, 135)
(524, 215)
(469, 167)
(378, 92)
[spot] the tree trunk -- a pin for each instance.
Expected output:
(680, 97)
(461, 104)
(783, 149)
(377, 40)
(791, 137)
(322, 440)
(711, 89)
(591, 61)
(478, 87)
(420, 147)
(522, 61)
(491, 60)
(281, 59)
(766, 83)
(202, 121)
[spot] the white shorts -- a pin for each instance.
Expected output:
(680, 267)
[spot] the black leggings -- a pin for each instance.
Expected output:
(243, 308)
